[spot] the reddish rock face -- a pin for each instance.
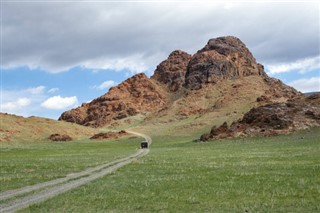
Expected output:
(172, 71)
(137, 94)
(222, 58)
(77, 115)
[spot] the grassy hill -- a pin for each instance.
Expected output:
(19, 129)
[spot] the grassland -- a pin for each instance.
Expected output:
(25, 164)
(276, 174)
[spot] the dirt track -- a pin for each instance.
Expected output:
(71, 181)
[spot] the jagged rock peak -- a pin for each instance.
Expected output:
(177, 53)
(222, 58)
(225, 44)
(172, 71)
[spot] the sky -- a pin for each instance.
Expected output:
(57, 54)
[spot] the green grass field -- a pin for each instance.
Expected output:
(25, 164)
(275, 174)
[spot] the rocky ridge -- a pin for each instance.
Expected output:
(137, 94)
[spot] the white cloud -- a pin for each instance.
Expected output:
(36, 90)
(15, 105)
(135, 64)
(138, 36)
(105, 85)
(29, 101)
(307, 84)
(302, 66)
(53, 90)
(24, 102)
(58, 102)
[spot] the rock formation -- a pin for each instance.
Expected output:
(137, 94)
(184, 85)
(222, 58)
(172, 71)
(109, 135)
(59, 137)
(272, 119)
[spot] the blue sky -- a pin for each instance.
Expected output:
(57, 55)
(38, 86)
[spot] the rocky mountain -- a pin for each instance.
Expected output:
(272, 119)
(220, 82)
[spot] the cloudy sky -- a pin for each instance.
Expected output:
(56, 55)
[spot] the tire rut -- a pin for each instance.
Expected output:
(15, 192)
(67, 183)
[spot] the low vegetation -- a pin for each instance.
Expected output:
(273, 174)
(25, 164)
(17, 129)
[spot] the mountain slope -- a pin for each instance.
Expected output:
(136, 95)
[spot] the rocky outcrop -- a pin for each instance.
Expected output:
(172, 71)
(277, 89)
(137, 94)
(59, 137)
(222, 58)
(77, 115)
(109, 135)
(272, 119)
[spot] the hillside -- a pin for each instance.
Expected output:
(137, 95)
(272, 119)
(221, 82)
(17, 128)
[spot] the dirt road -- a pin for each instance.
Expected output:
(46, 190)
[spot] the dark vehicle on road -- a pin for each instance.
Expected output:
(144, 145)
